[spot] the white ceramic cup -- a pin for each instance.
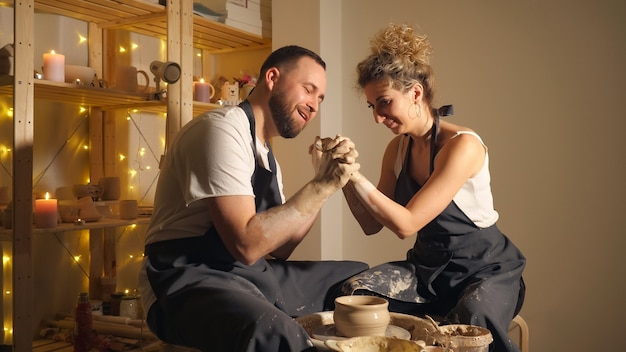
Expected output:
(129, 209)
(110, 188)
(126, 79)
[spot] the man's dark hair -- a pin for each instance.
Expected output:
(284, 58)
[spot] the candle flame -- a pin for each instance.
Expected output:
(201, 80)
(47, 195)
(52, 52)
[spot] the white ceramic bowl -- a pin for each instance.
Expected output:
(82, 75)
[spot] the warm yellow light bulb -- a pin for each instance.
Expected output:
(122, 49)
(77, 258)
(81, 38)
(122, 157)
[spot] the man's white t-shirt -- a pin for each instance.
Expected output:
(211, 156)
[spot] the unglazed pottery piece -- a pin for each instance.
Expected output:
(464, 338)
(361, 316)
(374, 344)
(420, 329)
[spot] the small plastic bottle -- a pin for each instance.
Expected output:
(83, 323)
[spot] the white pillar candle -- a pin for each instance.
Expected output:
(54, 67)
(203, 91)
(46, 212)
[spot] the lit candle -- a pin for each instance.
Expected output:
(46, 212)
(203, 91)
(54, 67)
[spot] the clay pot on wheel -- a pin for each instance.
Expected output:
(361, 316)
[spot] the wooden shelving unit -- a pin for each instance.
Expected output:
(151, 19)
(179, 27)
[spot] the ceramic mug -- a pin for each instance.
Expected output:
(129, 209)
(203, 91)
(110, 188)
(361, 316)
(126, 79)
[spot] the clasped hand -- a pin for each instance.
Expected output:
(334, 159)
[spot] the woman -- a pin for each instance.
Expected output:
(434, 182)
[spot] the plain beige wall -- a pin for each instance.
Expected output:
(542, 82)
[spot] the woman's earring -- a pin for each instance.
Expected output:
(418, 111)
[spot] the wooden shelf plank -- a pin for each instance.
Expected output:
(151, 19)
(104, 99)
(6, 234)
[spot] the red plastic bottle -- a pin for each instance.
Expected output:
(83, 324)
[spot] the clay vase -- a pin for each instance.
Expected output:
(361, 316)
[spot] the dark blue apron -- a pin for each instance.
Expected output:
(447, 266)
(210, 250)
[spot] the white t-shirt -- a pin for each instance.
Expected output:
(211, 156)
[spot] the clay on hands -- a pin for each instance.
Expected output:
(334, 160)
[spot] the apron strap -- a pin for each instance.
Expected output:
(445, 110)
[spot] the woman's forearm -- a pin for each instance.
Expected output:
(380, 210)
(366, 220)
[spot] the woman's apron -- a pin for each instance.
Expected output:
(451, 249)
(447, 253)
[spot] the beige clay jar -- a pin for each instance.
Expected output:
(361, 316)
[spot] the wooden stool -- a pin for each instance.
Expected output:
(519, 323)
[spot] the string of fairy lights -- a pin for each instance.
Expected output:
(140, 165)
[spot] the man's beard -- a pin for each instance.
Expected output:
(279, 108)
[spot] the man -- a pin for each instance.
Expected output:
(220, 211)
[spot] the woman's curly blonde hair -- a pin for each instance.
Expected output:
(401, 57)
